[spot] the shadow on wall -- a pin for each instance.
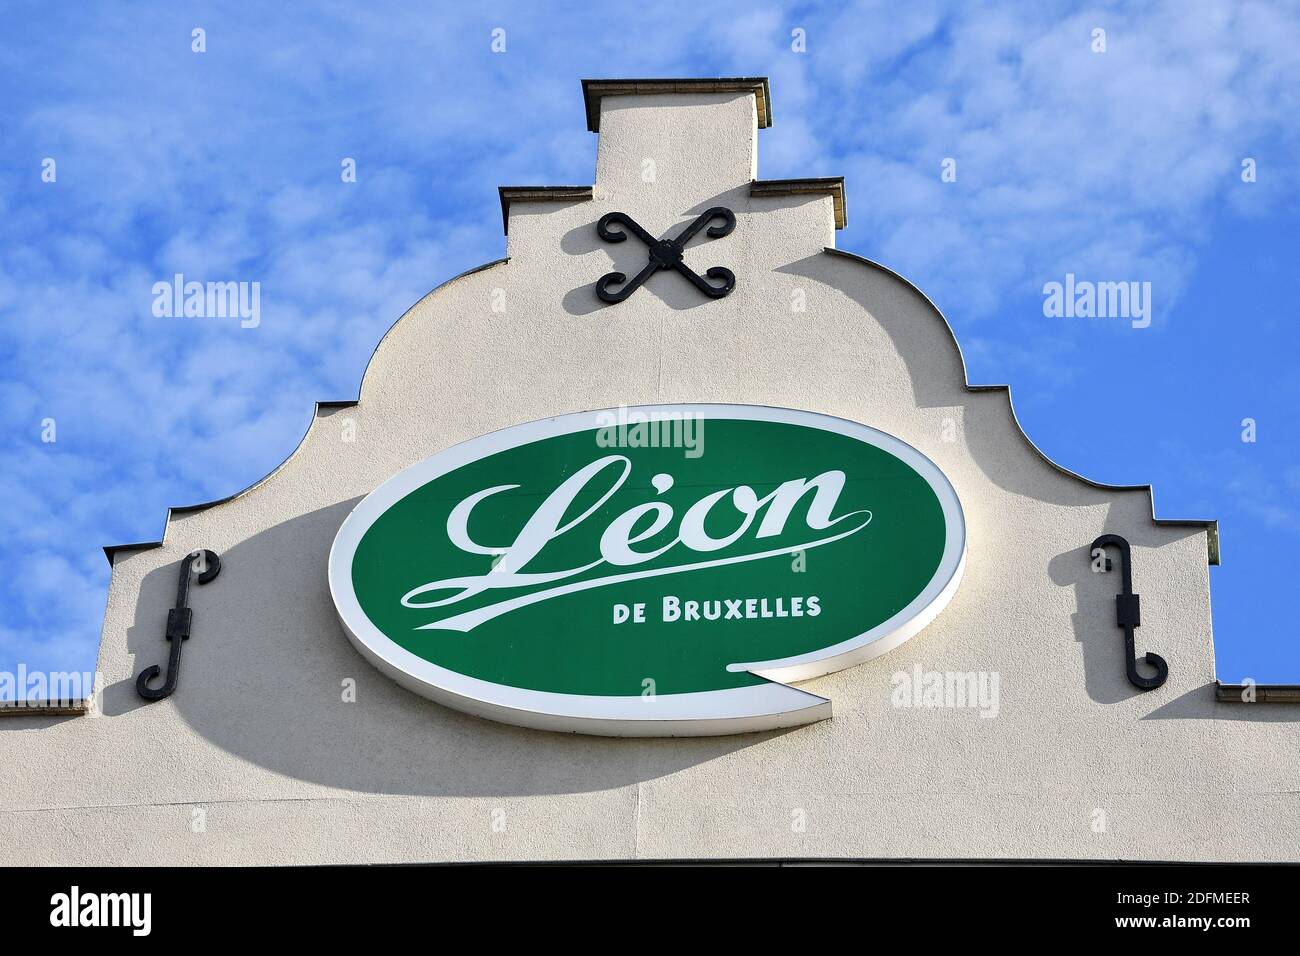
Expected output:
(630, 257)
(1103, 649)
(1193, 706)
(1104, 666)
(262, 678)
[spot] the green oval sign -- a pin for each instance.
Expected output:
(653, 570)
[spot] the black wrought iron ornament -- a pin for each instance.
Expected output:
(179, 619)
(666, 254)
(1128, 613)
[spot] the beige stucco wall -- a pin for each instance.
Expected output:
(259, 739)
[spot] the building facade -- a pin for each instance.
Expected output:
(1006, 726)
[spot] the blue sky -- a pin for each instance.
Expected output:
(1116, 166)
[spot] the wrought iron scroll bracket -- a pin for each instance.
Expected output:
(1128, 613)
(206, 565)
(666, 254)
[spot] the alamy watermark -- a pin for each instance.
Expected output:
(1083, 299)
(75, 908)
(23, 688)
(951, 689)
(209, 300)
(630, 428)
